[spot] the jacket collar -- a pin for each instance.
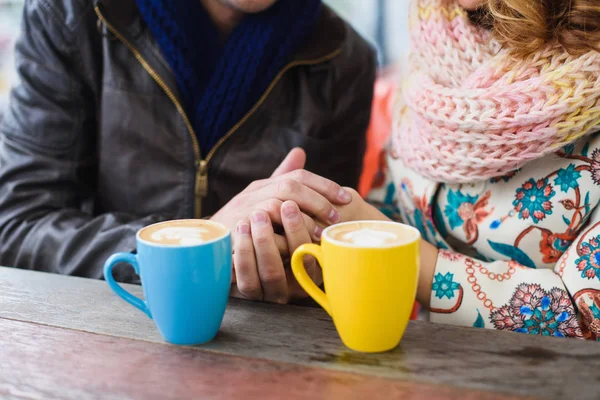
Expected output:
(120, 12)
(327, 36)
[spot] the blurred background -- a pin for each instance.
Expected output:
(382, 22)
(10, 13)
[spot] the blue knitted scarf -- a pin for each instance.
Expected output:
(220, 81)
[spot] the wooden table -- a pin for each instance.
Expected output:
(72, 338)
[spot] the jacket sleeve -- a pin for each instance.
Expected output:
(47, 161)
(508, 296)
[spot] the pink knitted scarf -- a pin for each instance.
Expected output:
(468, 111)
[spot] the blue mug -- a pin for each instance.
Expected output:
(185, 269)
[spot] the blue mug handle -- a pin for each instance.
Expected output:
(122, 293)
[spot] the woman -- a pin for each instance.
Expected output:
(495, 159)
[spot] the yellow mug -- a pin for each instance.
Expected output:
(370, 272)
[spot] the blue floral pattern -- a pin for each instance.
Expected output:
(444, 285)
(467, 211)
(567, 178)
(589, 262)
(535, 311)
(533, 200)
(542, 320)
(456, 199)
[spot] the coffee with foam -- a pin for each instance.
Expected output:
(371, 234)
(182, 233)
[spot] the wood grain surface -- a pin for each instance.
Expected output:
(40, 362)
(498, 362)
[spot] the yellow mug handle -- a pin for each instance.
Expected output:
(302, 276)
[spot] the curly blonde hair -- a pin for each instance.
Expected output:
(526, 26)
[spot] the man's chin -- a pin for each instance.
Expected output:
(249, 6)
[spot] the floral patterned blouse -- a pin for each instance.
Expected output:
(519, 252)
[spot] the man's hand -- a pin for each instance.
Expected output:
(293, 199)
(295, 160)
(317, 197)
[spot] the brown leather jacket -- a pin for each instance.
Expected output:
(96, 144)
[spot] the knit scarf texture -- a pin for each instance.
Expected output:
(469, 111)
(220, 80)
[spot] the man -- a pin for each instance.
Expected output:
(131, 113)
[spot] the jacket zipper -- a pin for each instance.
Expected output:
(201, 184)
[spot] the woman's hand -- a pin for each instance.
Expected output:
(359, 210)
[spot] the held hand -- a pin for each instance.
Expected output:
(359, 210)
(260, 272)
(297, 234)
(251, 264)
(259, 267)
(317, 197)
